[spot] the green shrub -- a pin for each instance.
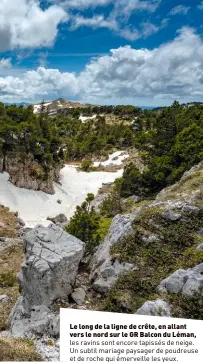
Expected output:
(85, 223)
(86, 166)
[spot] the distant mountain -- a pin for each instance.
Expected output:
(146, 107)
(53, 107)
(24, 104)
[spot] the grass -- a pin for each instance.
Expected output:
(185, 187)
(11, 259)
(8, 220)
(175, 248)
(104, 225)
(18, 350)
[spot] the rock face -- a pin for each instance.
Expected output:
(109, 273)
(156, 308)
(28, 173)
(59, 219)
(52, 257)
(188, 282)
(104, 271)
(78, 296)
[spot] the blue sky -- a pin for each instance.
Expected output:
(140, 52)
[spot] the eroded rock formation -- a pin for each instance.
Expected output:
(25, 172)
(52, 257)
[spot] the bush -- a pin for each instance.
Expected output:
(111, 206)
(85, 223)
(86, 165)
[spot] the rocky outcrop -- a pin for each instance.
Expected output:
(108, 273)
(60, 220)
(104, 270)
(52, 258)
(78, 296)
(188, 282)
(156, 308)
(25, 172)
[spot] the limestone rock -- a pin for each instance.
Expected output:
(148, 237)
(98, 200)
(52, 258)
(51, 264)
(121, 227)
(37, 322)
(188, 282)
(28, 173)
(171, 215)
(155, 308)
(46, 351)
(4, 299)
(21, 222)
(104, 271)
(191, 209)
(78, 296)
(59, 219)
(108, 275)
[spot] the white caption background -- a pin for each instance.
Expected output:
(89, 336)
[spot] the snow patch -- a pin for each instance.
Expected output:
(35, 206)
(115, 159)
(84, 119)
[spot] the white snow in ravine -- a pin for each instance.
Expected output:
(83, 119)
(115, 159)
(35, 206)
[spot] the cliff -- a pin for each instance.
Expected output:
(26, 172)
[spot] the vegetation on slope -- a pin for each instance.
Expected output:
(18, 350)
(174, 246)
(172, 140)
(23, 133)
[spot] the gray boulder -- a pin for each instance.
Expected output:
(171, 215)
(37, 322)
(200, 247)
(191, 209)
(104, 271)
(4, 299)
(21, 222)
(98, 200)
(78, 296)
(109, 273)
(52, 258)
(121, 227)
(59, 219)
(156, 308)
(188, 282)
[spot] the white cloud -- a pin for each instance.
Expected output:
(129, 34)
(173, 70)
(180, 9)
(118, 18)
(39, 83)
(125, 5)
(125, 8)
(23, 24)
(149, 29)
(97, 21)
(5, 63)
(81, 4)
(200, 6)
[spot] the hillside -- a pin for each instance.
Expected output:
(135, 188)
(53, 107)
